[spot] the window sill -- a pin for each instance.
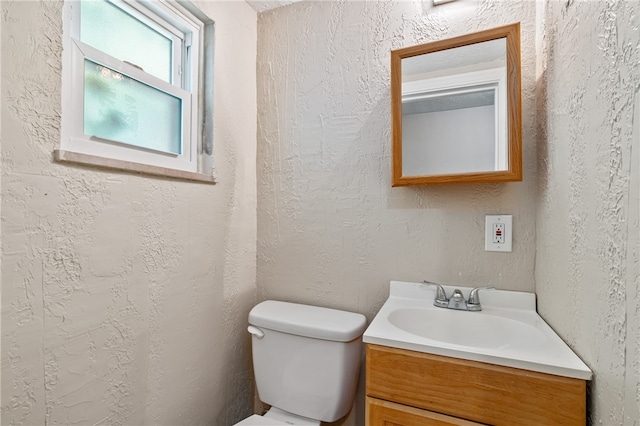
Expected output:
(127, 166)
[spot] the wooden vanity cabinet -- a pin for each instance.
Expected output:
(407, 388)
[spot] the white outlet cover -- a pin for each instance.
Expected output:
(507, 220)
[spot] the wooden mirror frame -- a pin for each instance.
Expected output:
(514, 112)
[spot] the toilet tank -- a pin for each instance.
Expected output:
(308, 360)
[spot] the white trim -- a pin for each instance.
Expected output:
(128, 166)
(454, 82)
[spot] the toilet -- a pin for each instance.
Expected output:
(306, 361)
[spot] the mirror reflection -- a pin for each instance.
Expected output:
(453, 115)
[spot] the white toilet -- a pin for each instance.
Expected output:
(306, 361)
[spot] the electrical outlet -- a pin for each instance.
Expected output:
(498, 230)
(498, 233)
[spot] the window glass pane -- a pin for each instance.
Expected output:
(113, 31)
(119, 108)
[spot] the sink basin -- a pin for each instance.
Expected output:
(508, 331)
(474, 329)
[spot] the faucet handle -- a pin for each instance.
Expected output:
(473, 303)
(441, 299)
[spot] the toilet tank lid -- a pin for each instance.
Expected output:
(308, 321)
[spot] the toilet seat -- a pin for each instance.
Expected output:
(257, 420)
(277, 417)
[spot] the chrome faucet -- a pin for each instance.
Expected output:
(457, 301)
(473, 304)
(441, 299)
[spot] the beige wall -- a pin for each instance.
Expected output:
(124, 297)
(587, 270)
(331, 230)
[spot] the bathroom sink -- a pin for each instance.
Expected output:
(473, 329)
(507, 331)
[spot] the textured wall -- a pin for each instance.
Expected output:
(331, 230)
(124, 297)
(587, 270)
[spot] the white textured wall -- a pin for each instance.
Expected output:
(587, 270)
(331, 230)
(124, 297)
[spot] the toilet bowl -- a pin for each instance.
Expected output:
(306, 361)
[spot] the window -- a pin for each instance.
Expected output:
(131, 74)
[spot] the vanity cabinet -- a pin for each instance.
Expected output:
(407, 388)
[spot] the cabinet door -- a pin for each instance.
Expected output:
(385, 413)
(490, 394)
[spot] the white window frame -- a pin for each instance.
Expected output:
(186, 31)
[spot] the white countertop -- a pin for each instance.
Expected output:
(533, 346)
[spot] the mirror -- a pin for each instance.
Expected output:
(456, 110)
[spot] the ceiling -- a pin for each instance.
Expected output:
(262, 6)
